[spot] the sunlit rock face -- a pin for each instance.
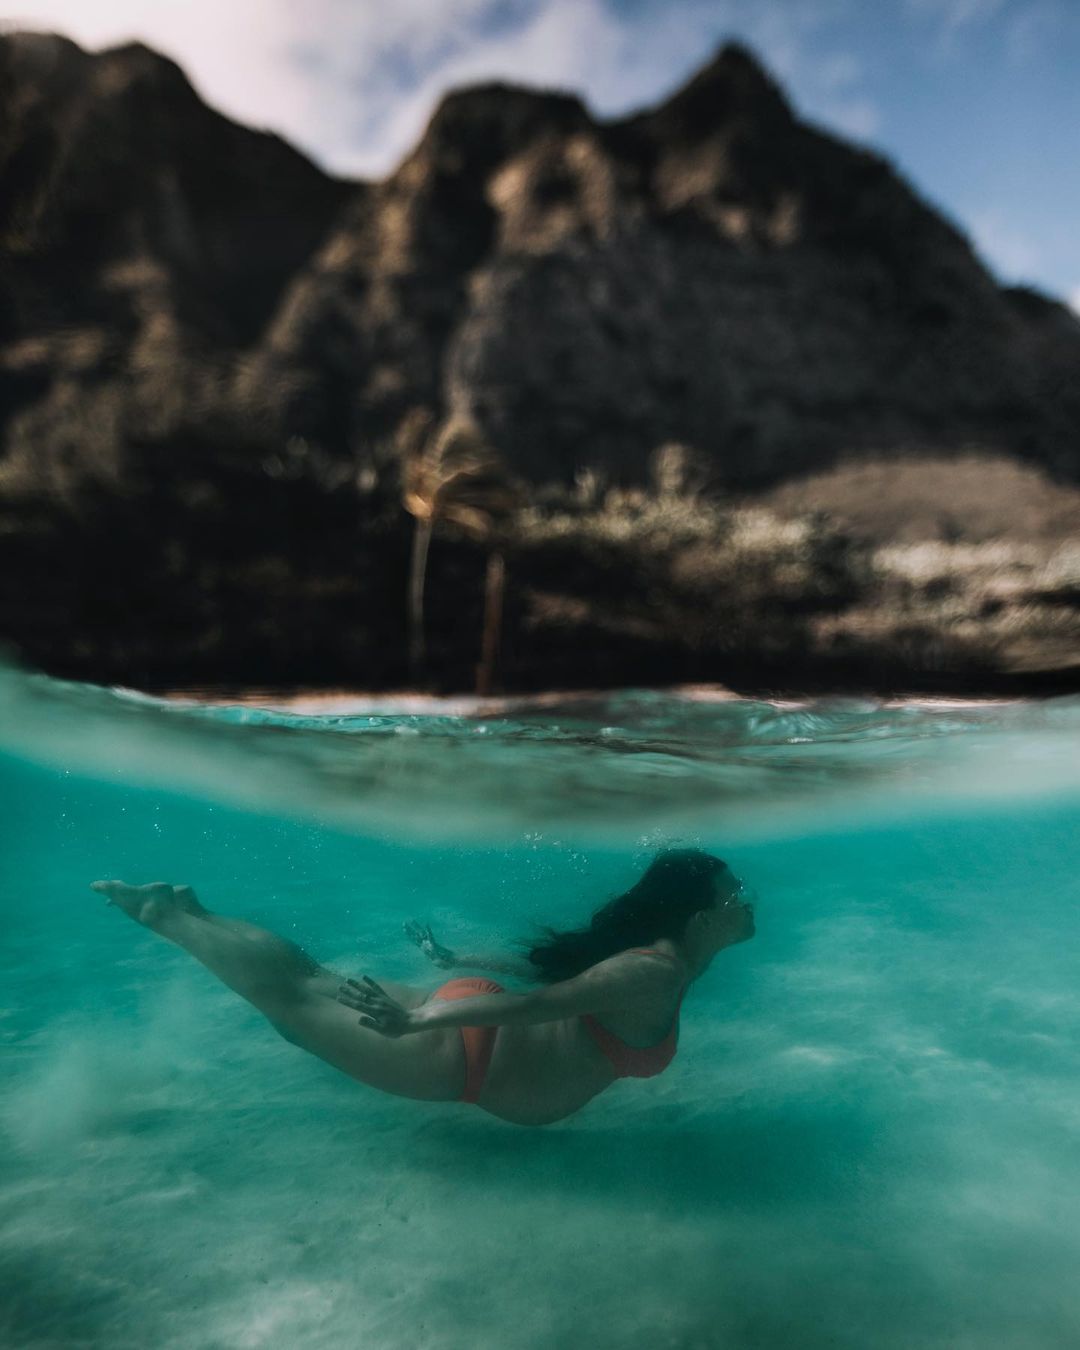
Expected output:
(712, 271)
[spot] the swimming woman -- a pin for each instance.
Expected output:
(606, 1006)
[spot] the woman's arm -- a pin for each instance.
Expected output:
(619, 983)
(445, 959)
(421, 934)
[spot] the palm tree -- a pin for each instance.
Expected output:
(452, 476)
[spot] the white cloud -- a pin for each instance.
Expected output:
(353, 81)
(1008, 250)
(859, 118)
(951, 20)
(832, 93)
(953, 15)
(1074, 300)
(1027, 31)
(1035, 29)
(230, 51)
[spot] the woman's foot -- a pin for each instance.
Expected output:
(149, 905)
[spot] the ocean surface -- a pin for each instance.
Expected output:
(870, 1136)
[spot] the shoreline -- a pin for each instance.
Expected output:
(405, 702)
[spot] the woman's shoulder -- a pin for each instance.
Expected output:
(655, 968)
(653, 955)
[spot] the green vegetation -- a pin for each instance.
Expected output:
(683, 568)
(210, 562)
(749, 592)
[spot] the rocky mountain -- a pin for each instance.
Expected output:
(147, 240)
(712, 271)
(189, 307)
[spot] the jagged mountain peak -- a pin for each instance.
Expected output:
(143, 64)
(26, 46)
(42, 62)
(735, 61)
(734, 85)
(490, 121)
(28, 41)
(711, 271)
(55, 63)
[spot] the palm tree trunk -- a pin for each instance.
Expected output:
(494, 593)
(417, 578)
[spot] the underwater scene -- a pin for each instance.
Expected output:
(869, 1136)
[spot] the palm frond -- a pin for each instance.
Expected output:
(457, 478)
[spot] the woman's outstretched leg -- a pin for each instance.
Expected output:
(267, 970)
(261, 967)
(289, 987)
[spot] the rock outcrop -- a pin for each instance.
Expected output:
(208, 346)
(147, 240)
(712, 271)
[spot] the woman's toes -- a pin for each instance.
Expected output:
(144, 904)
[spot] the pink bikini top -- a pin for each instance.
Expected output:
(633, 1061)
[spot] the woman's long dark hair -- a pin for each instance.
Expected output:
(676, 886)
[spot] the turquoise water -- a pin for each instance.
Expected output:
(870, 1135)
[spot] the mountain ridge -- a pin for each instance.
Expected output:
(764, 242)
(210, 350)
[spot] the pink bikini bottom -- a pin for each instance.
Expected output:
(478, 1041)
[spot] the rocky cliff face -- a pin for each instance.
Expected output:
(712, 271)
(208, 348)
(147, 241)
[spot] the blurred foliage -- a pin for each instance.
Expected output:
(205, 558)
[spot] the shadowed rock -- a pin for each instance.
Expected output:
(711, 271)
(190, 309)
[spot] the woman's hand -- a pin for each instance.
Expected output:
(380, 1012)
(420, 933)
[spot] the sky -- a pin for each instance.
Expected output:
(976, 102)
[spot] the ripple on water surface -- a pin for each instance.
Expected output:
(611, 766)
